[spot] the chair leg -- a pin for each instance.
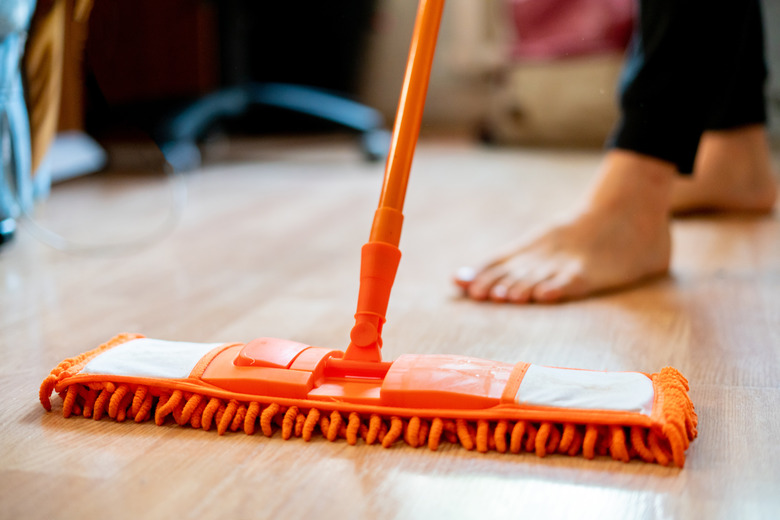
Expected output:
(178, 135)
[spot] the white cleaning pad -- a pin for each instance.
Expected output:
(586, 389)
(147, 357)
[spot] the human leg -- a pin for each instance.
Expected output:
(733, 172)
(620, 236)
(733, 169)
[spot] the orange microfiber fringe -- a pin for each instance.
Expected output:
(72, 365)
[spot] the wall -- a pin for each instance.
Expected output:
(467, 55)
(457, 91)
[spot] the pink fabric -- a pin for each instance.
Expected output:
(550, 29)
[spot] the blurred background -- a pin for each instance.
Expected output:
(517, 71)
(106, 83)
(508, 71)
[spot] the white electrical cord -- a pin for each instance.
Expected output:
(178, 197)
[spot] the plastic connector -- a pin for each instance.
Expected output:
(379, 263)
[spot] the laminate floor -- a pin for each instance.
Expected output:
(267, 244)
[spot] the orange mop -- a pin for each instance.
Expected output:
(299, 390)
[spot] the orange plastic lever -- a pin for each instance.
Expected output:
(380, 256)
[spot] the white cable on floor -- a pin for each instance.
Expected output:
(178, 194)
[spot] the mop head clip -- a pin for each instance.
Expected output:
(300, 390)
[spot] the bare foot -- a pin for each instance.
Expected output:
(619, 237)
(733, 172)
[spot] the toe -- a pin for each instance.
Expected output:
(566, 285)
(524, 278)
(515, 287)
(464, 276)
(484, 282)
(547, 292)
(519, 292)
(498, 293)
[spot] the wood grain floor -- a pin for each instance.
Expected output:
(267, 245)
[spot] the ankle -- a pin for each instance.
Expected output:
(632, 184)
(733, 172)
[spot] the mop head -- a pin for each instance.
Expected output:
(300, 391)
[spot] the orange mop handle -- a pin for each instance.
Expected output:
(380, 256)
(407, 122)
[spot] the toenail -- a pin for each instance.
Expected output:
(499, 291)
(466, 274)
